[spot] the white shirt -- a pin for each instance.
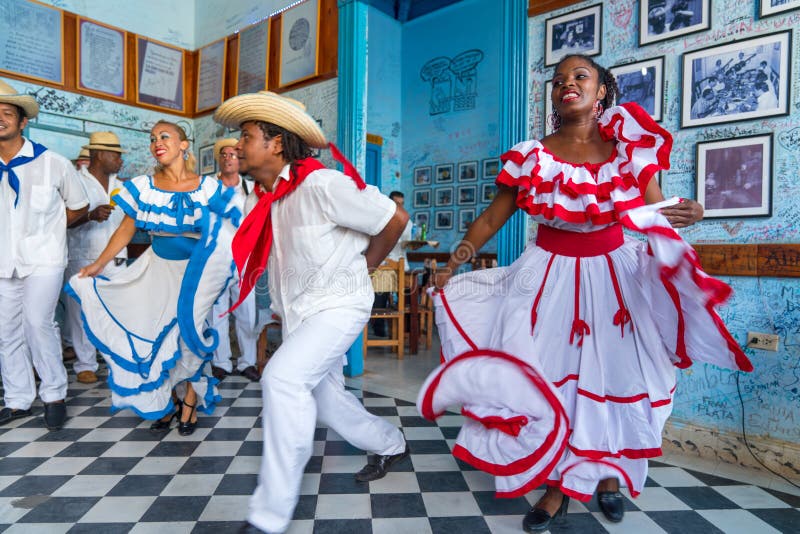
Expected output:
(320, 232)
(33, 236)
(88, 240)
(399, 250)
(239, 194)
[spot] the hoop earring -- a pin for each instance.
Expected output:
(598, 109)
(554, 119)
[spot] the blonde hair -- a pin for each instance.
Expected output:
(190, 163)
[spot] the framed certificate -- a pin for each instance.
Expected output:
(299, 42)
(253, 64)
(31, 40)
(101, 58)
(210, 75)
(160, 72)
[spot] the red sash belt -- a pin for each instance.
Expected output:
(579, 244)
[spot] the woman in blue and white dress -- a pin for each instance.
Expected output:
(149, 321)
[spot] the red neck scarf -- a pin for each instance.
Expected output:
(253, 241)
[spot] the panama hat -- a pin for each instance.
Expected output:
(104, 141)
(223, 143)
(9, 95)
(83, 154)
(271, 107)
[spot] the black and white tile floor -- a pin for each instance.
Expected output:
(105, 474)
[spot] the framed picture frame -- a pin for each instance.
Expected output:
(33, 41)
(660, 20)
(422, 198)
(734, 176)
(422, 175)
(422, 217)
(737, 81)
(465, 218)
(159, 75)
(768, 8)
(468, 171)
(211, 75)
(443, 196)
(252, 64)
(491, 168)
(444, 174)
(488, 192)
(642, 82)
(299, 51)
(578, 32)
(443, 220)
(467, 195)
(548, 108)
(206, 161)
(102, 53)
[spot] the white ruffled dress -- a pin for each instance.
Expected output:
(149, 320)
(563, 362)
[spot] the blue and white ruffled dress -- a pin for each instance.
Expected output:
(150, 320)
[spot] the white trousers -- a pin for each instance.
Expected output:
(303, 382)
(246, 330)
(29, 335)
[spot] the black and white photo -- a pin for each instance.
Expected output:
(579, 32)
(444, 196)
(206, 159)
(444, 174)
(642, 82)
(660, 20)
(422, 175)
(467, 195)
(773, 7)
(465, 218)
(742, 80)
(468, 171)
(734, 177)
(444, 220)
(422, 198)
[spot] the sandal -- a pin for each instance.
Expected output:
(160, 425)
(187, 428)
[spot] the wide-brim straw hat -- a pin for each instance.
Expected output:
(9, 95)
(267, 106)
(223, 143)
(104, 141)
(83, 154)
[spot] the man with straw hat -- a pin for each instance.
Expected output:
(40, 194)
(82, 160)
(321, 231)
(245, 313)
(89, 235)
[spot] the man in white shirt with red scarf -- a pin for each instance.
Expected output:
(321, 232)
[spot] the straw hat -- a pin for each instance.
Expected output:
(271, 107)
(83, 154)
(9, 95)
(104, 141)
(223, 143)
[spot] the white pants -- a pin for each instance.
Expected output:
(28, 333)
(246, 330)
(303, 382)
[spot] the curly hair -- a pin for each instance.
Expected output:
(606, 78)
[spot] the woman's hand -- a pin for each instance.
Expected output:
(684, 214)
(91, 270)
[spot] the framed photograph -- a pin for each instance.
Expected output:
(548, 108)
(422, 217)
(422, 175)
(468, 171)
(444, 196)
(422, 198)
(444, 220)
(746, 79)
(159, 75)
(444, 174)
(465, 218)
(210, 75)
(660, 20)
(467, 195)
(772, 7)
(206, 160)
(299, 42)
(31, 40)
(488, 192)
(491, 168)
(642, 82)
(734, 177)
(578, 32)
(101, 58)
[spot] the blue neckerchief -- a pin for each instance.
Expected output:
(13, 180)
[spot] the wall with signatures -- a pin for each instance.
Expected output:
(707, 397)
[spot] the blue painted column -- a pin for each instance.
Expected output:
(352, 121)
(513, 111)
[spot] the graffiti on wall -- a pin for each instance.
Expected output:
(454, 82)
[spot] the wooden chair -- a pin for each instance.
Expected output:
(388, 278)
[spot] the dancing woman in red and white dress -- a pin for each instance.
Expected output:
(564, 361)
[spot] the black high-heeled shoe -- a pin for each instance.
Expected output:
(612, 505)
(537, 519)
(160, 425)
(186, 428)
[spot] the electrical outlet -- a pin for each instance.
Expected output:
(761, 341)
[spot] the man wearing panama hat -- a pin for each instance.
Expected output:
(40, 194)
(321, 231)
(88, 236)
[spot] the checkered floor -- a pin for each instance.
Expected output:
(110, 474)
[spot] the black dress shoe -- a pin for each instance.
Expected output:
(379, 465)
(7, 415)
(537, 519)
(55, 413)
(612, 505)
(251, 374)
(218, 372)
